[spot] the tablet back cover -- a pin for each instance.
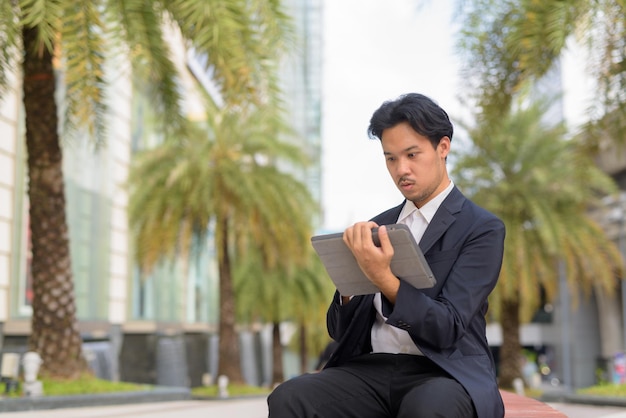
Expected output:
(408, 262)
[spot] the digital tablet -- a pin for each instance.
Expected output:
(408, 262)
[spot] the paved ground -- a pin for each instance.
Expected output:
(589, 411)
(242, 408)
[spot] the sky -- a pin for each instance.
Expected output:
(375, 51)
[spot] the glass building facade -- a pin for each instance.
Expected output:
(301, 78)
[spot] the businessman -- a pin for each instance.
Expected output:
(407, 352)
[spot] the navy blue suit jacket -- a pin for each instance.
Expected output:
(463, 245)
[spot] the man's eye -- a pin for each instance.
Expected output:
(412, 155)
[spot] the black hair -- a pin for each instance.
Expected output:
(422, 113)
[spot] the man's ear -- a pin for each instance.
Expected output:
(444, 146)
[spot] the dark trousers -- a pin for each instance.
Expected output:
(373, 385)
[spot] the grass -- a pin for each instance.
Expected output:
(602, 389)
(605, 389)
(233, 390)
(88, 384)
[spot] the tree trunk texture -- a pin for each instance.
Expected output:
(278, 373)
(511, 350)
(304, 356)
(55, 334)
(229, 362)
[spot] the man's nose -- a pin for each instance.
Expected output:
(403, 167)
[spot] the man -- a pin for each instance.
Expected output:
(407, 352)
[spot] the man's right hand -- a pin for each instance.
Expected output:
(375, 262)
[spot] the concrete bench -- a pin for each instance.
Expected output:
(516, 406)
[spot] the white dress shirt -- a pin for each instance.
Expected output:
(387, 338)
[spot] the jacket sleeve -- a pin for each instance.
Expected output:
(339, 317)
(466, 274)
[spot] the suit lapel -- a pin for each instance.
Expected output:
(444, 217)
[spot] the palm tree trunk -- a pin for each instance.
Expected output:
(278, 374)
(229, 359)
(511, 350)
(304, 364)
(55, 334)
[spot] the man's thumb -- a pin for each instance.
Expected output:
(385, 242)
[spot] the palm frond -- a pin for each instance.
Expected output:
(243, 40)
(84, 52)
(142, 32)
(9, 42)
(513, 171)
(44, 15)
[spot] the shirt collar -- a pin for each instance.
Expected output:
(429, 209)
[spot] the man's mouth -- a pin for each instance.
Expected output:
(405, 183)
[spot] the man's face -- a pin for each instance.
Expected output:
(418, 169)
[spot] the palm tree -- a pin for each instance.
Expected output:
(228, 180)
(71, 39)
(541, 185)
(298, 294)
(512, 44)
(515, 42)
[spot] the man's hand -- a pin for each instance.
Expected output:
(374, 261)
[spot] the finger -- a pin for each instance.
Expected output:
(366, 233)
(363, 234)
(352, 234)
(385, 242)
(347, 235)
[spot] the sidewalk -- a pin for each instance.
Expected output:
(250, 407)
(171, 402)
(158, 394)
(234, 408)
(243, 408)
